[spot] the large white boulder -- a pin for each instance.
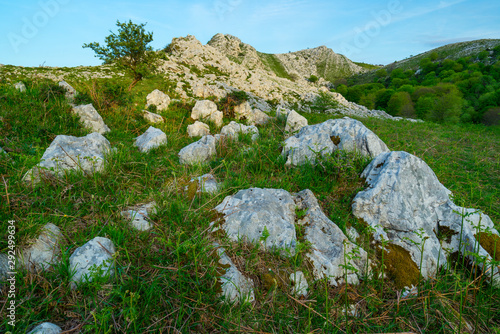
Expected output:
(150, 139)
(408, 207)
(93, 258)
(44, 252)
(207, 110)
(91, 118)
(66, 153)
(158, 99)
(322, 139)
(198, 152)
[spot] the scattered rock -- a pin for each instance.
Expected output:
(264, 216)
(139, 215)
(331, 249)
(44, 252)
(71, 153)
(91, 118)
(150, 139)
(95, 257)
(294, 122)
(207, 110)
(198, 129)
(407, 206)
(258, 117)
(198, 152)
(4, 266)
(152, 117)
(159, 99)
(299, 284)
(235, 286)
(282, 112)
(20, 86)
(206, 184)
(233, 129)
(46, 328)
(70, 91)
(243, 111)
(322, 139)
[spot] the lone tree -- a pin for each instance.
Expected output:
(129, 50)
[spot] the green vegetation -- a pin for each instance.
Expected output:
(129, 50)
(273, 64)
(167, 279)
(465, 90)
(367, 66)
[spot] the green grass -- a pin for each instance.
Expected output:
(166, 279)
(273, 64)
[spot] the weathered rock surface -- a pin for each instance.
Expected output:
(71, 153)
(46, 328)
(152, 117)
(299, 284)
(93, 258)
(235, 286)
(91, 118)
(264, 216)
(258, 117)
(206, 184)
(233, 129)
(294, 122)
(198, 152)
(44, 252)
(207, 110)
(70, 91)
(406, 205)
(330, 247)
(243, 111)
(324, 138)
(4, 266)
(139, 216)
(150, 139)
(20, 86)
(198, 129)
(159, 99)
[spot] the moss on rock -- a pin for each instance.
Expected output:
(400, 266)
(491, 243)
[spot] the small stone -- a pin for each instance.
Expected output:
(158, 99)
(46, 328)
(70, 91)
(91, 118)
(150, 139)
(139, 216)
(152, 117)
(198, 152)
(198, 129)
(206, 184)
(233, 129)
(20, 86)
(299, 284)
(45, 251)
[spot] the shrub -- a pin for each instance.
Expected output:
(313, 78)
(233, 99)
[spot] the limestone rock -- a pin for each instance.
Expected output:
(198, 152)
(45, 252)
(20, 86)
(282, 112)
(407, 205)
(203, 109)
(71, 153)
(233, 129)
(258, 117)
(91, 118)
(235, 286)
(150, 139)
(139, 216)
(46, 328)
(152, 117)
(70, 91)
(322, 139)
(198, 129)
(330, 247)
(158, 99)
(243, 111)
(95, 257)
(299, 284)
(294, 122)
(206, 184)
(265, 216)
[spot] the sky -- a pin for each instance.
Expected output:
(52, 32)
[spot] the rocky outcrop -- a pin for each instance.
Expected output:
(236, 288)
(159, 99)
(93, 258)
(138, 216)
(198, 129)
(44, 252)
(233, 130)
(322, 139)
(67, 153)
(91, 118)
(152, 117)
(198, 152)
(409, 208)
(150, 139)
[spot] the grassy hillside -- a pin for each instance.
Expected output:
(166, 279)
(273, 64)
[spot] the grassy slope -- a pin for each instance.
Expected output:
(273, 64)
(166, 278)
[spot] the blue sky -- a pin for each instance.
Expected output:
(51, 32)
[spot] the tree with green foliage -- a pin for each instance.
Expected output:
(400, 104)
(129, 50)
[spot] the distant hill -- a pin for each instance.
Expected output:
(321, 61)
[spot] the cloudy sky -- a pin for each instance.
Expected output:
(51, 32)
